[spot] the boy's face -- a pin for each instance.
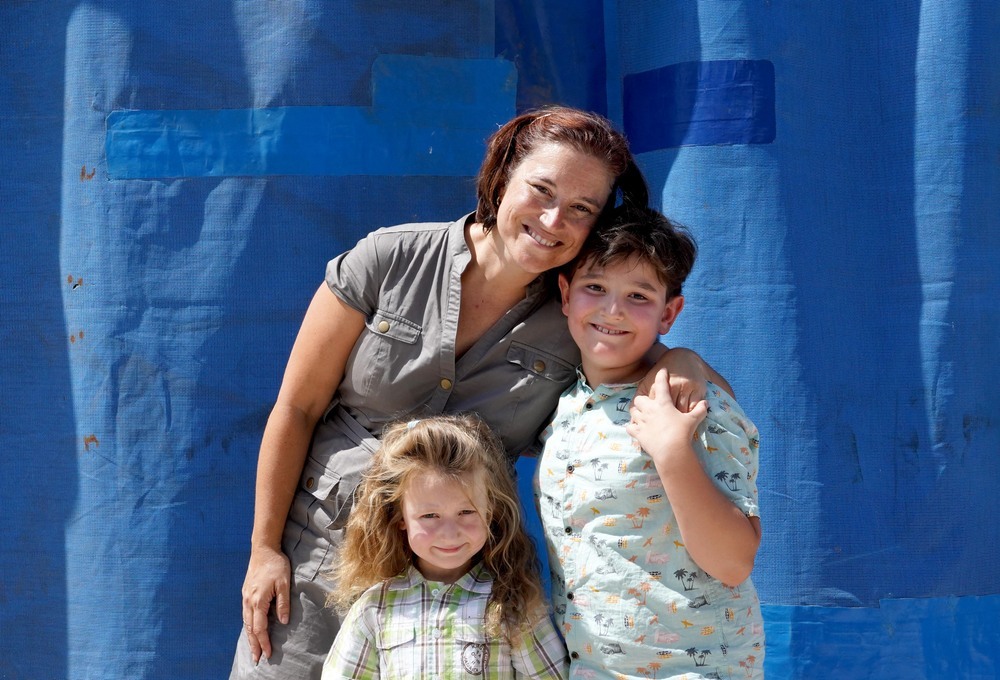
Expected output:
(615, 314)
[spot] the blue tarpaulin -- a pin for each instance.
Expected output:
(176, 175)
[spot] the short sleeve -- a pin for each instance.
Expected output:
(540, 652)
(354, 276)
(354, 653)
(729, 450)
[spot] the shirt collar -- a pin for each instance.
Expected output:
(476, 580)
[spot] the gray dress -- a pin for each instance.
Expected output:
(406, 281)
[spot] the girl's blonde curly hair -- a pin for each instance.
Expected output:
(462, 448)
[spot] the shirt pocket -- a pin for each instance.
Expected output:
(541, 363)
(472, 650)
(398, 653)
(393, 326)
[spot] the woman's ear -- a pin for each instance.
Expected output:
(670, 312)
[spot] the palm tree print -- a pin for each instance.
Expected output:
(700, 656)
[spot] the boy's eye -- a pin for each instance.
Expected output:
(597, 288)
(639, 297)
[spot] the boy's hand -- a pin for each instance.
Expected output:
(658, 425)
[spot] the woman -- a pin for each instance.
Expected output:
(417, 320)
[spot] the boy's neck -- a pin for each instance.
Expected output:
(618, 375)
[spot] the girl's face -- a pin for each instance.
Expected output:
(549, 206)
(443, 526)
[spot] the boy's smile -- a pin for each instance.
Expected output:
(615, 314)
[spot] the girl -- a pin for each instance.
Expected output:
(436, 567)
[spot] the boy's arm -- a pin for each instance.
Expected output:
(717, 534)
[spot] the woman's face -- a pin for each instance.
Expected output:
(549, 206)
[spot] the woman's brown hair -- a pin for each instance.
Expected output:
(584, 131)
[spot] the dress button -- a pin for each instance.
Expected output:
(575, 655)
(570, 469)
(383, 326)
(569, 530)
(445, 384)
(311, 482)
(539, 365)
(589, 405)
(569, 596)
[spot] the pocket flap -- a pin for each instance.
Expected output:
(541, 363)
(394, 326)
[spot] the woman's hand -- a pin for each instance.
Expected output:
(688, 373)
(267, 581)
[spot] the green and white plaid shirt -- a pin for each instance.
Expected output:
(410, 627)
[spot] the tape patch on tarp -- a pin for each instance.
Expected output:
(429, 116)
(700, 103)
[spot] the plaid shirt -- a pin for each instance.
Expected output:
(409, 627)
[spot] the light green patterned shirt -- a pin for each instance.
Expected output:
(409, 628)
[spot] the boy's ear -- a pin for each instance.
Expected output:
(670, 312)
(564, 292)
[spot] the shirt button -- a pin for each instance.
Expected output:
(575, 655)
(539, 365)
(435, 592)
(437, 633)
(589, 405)
(311, 482)
(445, 384)
(383, 326)
(569, 530)
(570, 468)
(569, 596)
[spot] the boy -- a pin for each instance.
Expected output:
(651, 516)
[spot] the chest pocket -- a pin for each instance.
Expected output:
(394, 327)
(541, 363)
(472, 651)
(398, 653)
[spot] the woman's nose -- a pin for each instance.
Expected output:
(551, 217)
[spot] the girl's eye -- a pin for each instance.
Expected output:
(429, 515)
(467, 512)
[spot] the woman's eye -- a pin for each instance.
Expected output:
(584, 210)
(542, 189)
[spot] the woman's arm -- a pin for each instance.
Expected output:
(720, 538)
(315, 368)
(688, 373)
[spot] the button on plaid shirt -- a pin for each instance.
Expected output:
(409, 628)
